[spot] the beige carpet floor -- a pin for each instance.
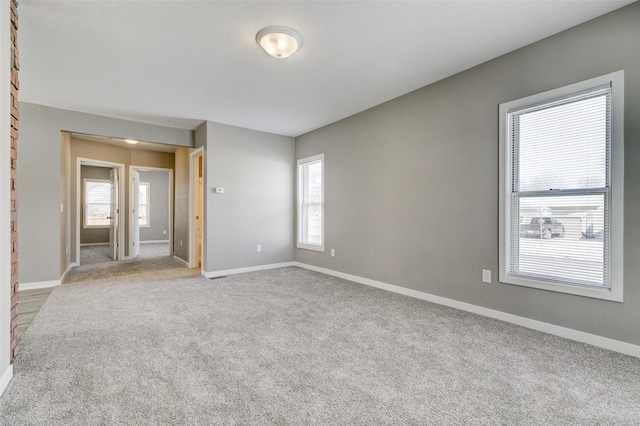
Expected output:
(294, 347)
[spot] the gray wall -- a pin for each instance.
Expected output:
(256, 171)
(92, 235)
(39, 173)
(159, 206)
(65, 200)
(412, 185)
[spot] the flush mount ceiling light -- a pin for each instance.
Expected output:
(279, 42)
(131, 141)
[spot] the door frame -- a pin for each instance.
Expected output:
(193, 226)
(82, 161)
(170, 206)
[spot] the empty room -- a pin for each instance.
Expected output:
(319, 212)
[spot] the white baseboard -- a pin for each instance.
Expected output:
(185, 263)
(71, 265)
(154, 241)
(567, 333)
(94, 244)
(6, 378)
(38, 285)
(224, 273)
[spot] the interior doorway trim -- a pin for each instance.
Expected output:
(170, 207)
(193, 225)
(121, 170)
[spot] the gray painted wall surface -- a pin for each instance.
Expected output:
(181, 204)
(412, 185)
(39, 171)
(92, 235)
(159, 206)
(256, 171)
(65, 201)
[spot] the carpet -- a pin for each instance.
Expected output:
(292, 346)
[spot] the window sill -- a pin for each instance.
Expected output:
(311, 247)
(594, 292)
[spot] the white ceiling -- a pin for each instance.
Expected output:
(178, 63)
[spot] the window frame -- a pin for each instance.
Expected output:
(616, 169)
(86, 203)
(300, 202)
(147, 205)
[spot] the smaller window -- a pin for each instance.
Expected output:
(97, 203)
(144, 204)
(311, 203)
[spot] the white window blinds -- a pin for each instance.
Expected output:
(560, 189)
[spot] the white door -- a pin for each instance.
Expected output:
(113, 214)
(135, 214)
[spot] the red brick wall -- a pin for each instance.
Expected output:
(15, 121)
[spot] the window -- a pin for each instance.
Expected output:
(561, 195)
(311, 203)
(144, 205)
(97, 203)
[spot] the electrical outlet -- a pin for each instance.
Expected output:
(259, 248)
(180, 243)
(486, 276)
(333, 252)
(164, 232)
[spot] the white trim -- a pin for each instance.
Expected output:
(80, 161)
(193, 226)
(130, 213)
(299, 191)
(615, 292)
(184, 262)
(223, 273)
(85, 203)
(154, 241)
(6, 378)
(93, 244)
(556, 330)
(39, 284)
(148, 190)
(64, 274)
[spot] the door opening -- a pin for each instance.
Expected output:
(99, 197)
(151, 207)
(196, 208)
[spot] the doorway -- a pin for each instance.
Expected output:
(151, 220)
(196, 207)
(99, 197)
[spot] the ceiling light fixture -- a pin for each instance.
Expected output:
(279, 42)
(131, 141)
